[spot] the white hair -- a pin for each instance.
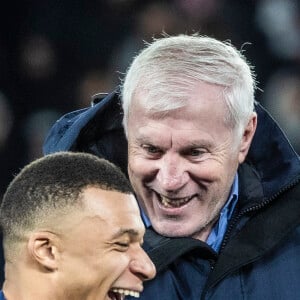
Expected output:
(167, 69)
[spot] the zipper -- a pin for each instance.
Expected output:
(254, 208)
(243, 212)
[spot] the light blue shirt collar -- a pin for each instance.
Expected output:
(216, 236)
(145, 219)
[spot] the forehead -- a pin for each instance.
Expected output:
(105, 216)
(98, 199)
(111, 211)
(203, 114)
(197, 91)
(201, 99)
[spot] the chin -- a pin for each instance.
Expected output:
(173, 230)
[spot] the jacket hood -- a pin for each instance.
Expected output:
(98, 130)
(272, 156)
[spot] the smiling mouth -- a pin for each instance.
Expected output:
(119, 294)
(173, 202)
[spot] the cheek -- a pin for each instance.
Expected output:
(135, 164)
(212, 171)
(111, 266)
(136, 177)
(141, 169)
(134, 160)
(209, 170)
(134, 170)
(115, 265)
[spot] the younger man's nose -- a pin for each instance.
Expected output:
(143, 266)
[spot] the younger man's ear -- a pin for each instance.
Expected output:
(42, 247)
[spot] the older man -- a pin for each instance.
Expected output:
(216, 179)
(72, 230)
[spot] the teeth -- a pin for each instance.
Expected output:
(127, 292)
(174, 203)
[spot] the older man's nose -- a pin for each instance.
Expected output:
(172, 174)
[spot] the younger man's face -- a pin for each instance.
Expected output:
(101, 249)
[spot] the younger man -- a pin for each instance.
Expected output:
(72, 230)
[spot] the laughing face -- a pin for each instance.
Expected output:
(101, 254)
(182, 165)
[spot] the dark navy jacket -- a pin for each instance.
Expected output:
(1, 296)
(260, 254)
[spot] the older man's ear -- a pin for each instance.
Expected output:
(247, 137)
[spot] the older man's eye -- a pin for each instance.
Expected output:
(151, 150)
(196, 152)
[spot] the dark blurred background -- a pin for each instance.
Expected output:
(55, 54)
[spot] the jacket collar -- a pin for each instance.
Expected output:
(271, 155)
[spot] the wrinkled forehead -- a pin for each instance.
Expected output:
(198, 97)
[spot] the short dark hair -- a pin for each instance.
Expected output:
(52, 183)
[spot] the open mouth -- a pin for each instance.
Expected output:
(119, 294)
(173, 202)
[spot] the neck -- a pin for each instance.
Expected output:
(39, 284)
(29, 285)
(204, 233)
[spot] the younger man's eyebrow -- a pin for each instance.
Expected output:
(125, 231)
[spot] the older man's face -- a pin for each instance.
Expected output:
(182, 165)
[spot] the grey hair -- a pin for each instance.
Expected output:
(167, 69)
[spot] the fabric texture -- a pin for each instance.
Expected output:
(2, 296)
(260, 251)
